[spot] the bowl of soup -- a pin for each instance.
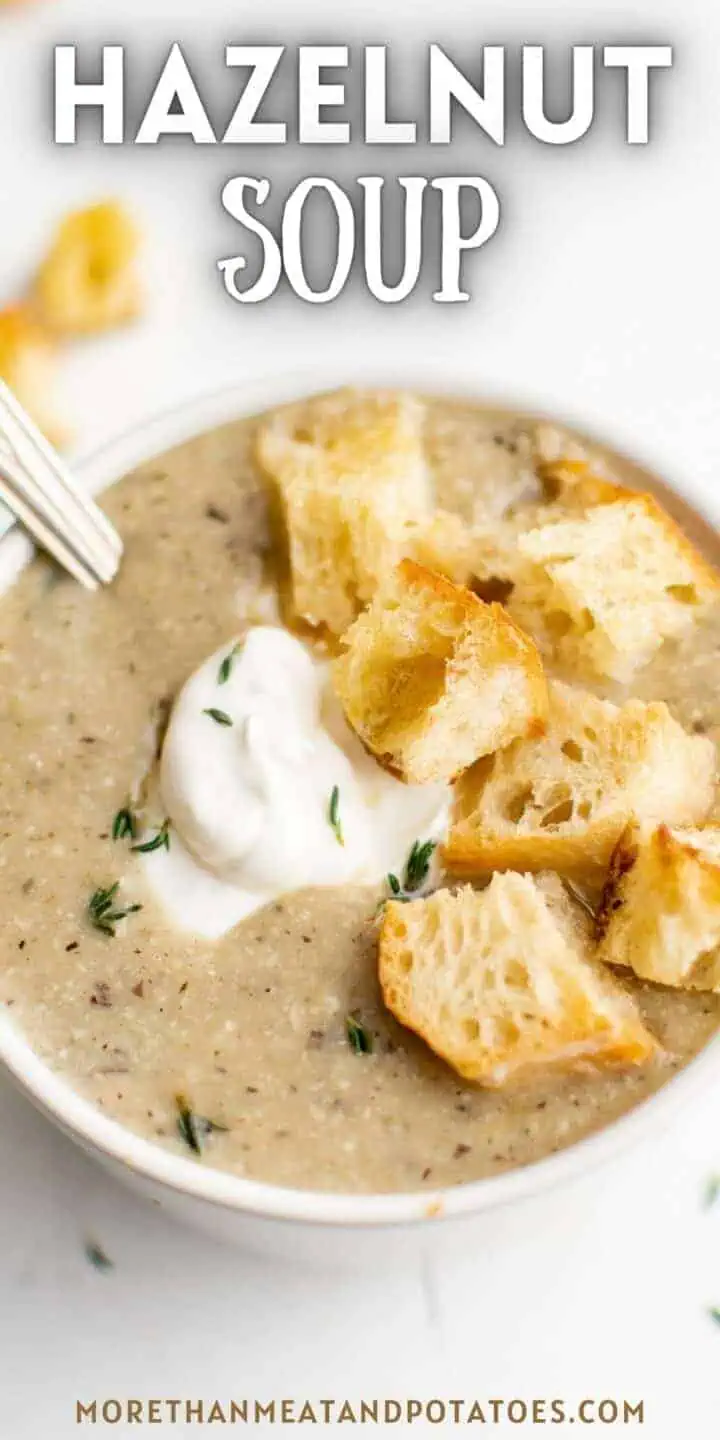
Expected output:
(201, 1012)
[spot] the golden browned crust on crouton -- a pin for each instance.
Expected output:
(350, 474)
(622, 860)
(431, 676)
(562, 801)
(660, 910)
(602, 589)
(500, 983)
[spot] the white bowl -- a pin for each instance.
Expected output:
(268, 1218)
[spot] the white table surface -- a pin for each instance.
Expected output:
(601, 294)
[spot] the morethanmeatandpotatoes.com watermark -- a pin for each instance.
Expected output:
(605, 1412)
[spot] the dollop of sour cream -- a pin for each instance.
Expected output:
(268, 790)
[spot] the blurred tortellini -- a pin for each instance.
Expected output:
(88, 280)
(86, 284)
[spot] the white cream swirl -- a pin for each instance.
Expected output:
(255, 749)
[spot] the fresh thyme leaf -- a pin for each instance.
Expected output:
(120, 914)
(97, 1256)
(227, 664)
(100, 909)
(220, 717)
(101, 900)
(124, 824)
(715, 1315)
(334, 814)
(160, 841)
(712, 1192)
(418, 864)
(194, 1129)
(359, 1039)
(417, 869)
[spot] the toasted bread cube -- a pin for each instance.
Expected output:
(560, 801)
(660, 911)
(88, 280)
(609, 586)
(500, 983)
(27, 365)
(350, 472)
(432, 677)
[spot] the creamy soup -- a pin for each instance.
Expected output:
(251, 1028)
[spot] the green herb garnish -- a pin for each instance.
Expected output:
(220, 717)
(334, 814)
(418, 865)
(712, 1192)
(97, 1256)
(124, 825)
(194, 1129)
(359, 1039)
(417, 870)
(104, 915)
(715, 1315)
(227, 664)
(160, 841)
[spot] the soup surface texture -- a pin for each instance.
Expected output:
(251, 1028)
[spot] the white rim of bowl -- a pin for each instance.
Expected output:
(89, 1127)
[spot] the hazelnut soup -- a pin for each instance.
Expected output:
(251, 1029)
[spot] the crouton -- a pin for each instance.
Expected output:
(87, 281)
(27, 365)
(660, 911)
(350, 472)
(432, 677)
(560, 801)
(603, 590)
(500, 982)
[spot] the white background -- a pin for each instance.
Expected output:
(600, 295)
